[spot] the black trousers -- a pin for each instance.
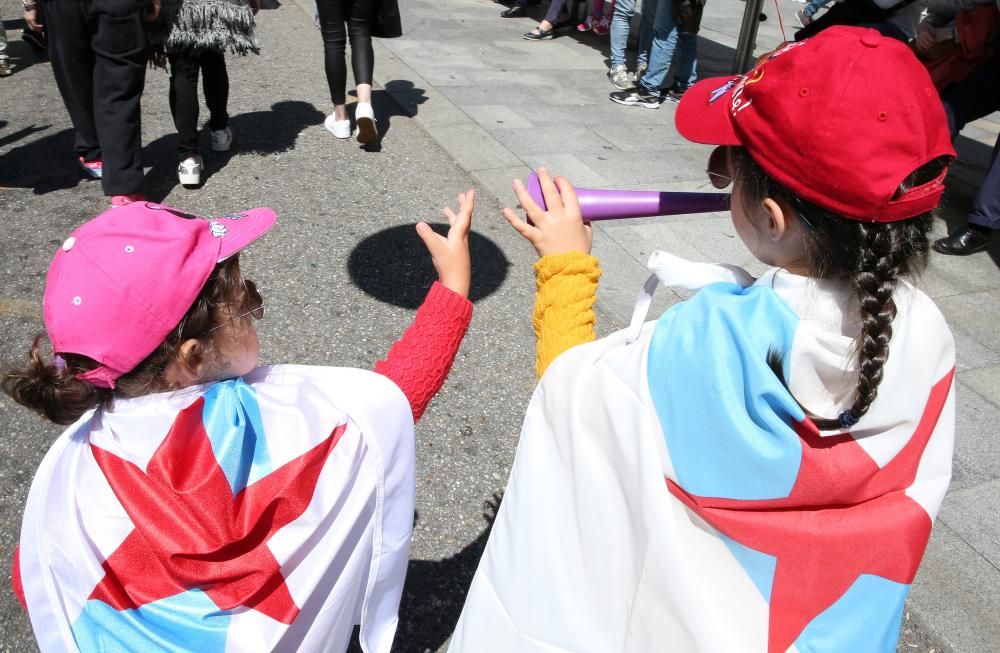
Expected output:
(976, 96)
(357, 14)
(98, 53)
(184, 105)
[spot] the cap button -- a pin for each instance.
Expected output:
(871, 38)
(68, 243)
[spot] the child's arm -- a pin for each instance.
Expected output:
(565, 292)
(566, 275)
(420, 360)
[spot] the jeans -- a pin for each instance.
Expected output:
(184, 69)
(666, 38)
(976, 96)
(813, 6)
(620, 25)
(333, 14)
(555, 8)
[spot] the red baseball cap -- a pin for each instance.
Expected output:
(839, 119)
(124, 280)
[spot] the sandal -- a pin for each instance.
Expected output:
(538, 34)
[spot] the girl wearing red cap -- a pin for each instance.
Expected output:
(198, 501)
(759, 468)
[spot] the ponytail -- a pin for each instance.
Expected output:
(53, 390)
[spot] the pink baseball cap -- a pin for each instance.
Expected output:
(840, 119)
(124, 280)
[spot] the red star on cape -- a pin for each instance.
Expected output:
(844, 517)
(191, 532)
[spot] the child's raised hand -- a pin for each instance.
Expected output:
(451, 254)
(558, 230)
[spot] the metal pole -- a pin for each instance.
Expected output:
(748, 36)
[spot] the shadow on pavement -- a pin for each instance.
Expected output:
(393, 266)
(399, 98)
(257, 132)
(435, 592)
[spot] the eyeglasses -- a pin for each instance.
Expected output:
(255, 300)
(721, 181)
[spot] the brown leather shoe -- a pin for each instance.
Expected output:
(963, 242)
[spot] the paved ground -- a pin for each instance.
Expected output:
(463, 101)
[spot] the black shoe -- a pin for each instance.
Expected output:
(675, 93)
(537, 34)
(514, 12)
(965, 241)
(35, 39)
(637, 98)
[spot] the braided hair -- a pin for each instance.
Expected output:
(871, 256)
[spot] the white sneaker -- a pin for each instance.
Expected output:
(364, 118)
(339, 128)
(222, 139)
(189, 171)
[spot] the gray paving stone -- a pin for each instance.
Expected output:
(975, 440)
(544, 140)
(471, 146)
(985, 381)
(956, 594)
(972, 513)
(965, 312)
(498, 181)
(496, 116)
(569, 166)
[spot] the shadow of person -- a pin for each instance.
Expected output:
(398, 97)
(393, 266)
(13, 137)
(43, 164)
(257, 132)
(435, 593)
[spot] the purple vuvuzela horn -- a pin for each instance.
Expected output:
(616, 204)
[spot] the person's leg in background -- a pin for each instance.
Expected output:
(545, 27)
(976, 96)
(359, 30)
(119, 47)
(661, 52)
(215, 86)
(4, 57)
(333, 26)
(621, 21)
(185, 108)
(68, 24)
(646, 29)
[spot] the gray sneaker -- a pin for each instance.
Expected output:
(5, 68)
(620, 78)
(640, 70)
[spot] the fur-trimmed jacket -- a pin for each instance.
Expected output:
(203, 25)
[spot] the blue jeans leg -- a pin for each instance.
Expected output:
(661, 53)
(686, 73)
(620, 23)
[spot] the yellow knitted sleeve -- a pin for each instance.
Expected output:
(565, 292)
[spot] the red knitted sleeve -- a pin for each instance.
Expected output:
(420, 360)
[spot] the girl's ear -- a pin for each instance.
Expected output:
(190, 363)
(778, 215)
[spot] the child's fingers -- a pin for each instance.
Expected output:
(553, 201)
(448, 213)
(568, 195)
(432, 241)
(534, 212)
(520, 226)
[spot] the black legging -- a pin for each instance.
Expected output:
(357, 14)
(184, 103)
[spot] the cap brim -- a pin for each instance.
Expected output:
(244, 228)
(703, 114)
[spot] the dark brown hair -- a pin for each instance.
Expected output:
(55, 391)
(871, 256)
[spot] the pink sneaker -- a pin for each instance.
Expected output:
(93, 168)
(118, 201)
(602, 26)
(586, 25)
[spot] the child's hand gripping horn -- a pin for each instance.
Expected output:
(616, 204)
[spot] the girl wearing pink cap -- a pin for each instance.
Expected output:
(198, 501)
(759, 468)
